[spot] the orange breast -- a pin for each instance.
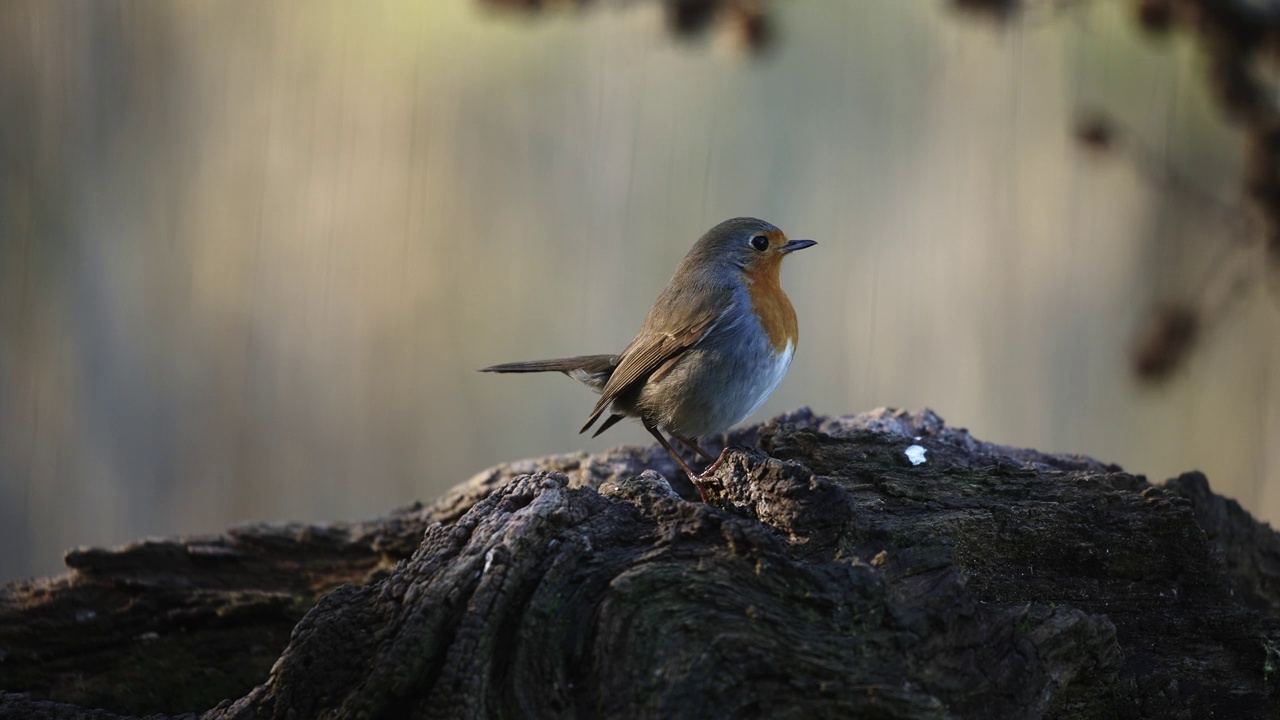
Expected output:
(772, 307)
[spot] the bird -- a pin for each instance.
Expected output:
(713, 347)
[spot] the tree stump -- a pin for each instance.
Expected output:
(881, 565)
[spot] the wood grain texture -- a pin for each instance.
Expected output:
(829, 577)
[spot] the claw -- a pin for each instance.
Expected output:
(711, 469)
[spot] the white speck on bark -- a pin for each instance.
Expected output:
(915, 454)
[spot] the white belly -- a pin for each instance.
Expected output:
(767, 381)
(716, 386)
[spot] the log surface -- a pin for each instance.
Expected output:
(829, 577)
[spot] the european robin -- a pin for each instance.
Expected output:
(713, 347)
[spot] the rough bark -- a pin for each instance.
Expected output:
(828, 577)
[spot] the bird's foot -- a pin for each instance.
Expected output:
(699, 481)
(711, 469)
(702, 491)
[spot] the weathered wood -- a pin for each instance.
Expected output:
(829, 577)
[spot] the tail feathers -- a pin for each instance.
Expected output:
(531, 366)
(590, 370)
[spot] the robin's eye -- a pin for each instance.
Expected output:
(760, 242)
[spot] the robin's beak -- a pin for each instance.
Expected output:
(794, 245)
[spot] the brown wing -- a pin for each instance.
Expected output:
(646, 354)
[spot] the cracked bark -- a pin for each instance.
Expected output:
(829, 577)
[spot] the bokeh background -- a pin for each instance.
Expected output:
(251, 253)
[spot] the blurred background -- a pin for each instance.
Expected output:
(252, 253)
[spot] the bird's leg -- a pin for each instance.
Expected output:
(693, 477)
(714, 461)
(692, 444)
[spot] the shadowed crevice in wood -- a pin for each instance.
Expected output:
(829, 577)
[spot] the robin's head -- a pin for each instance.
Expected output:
(751, 246)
